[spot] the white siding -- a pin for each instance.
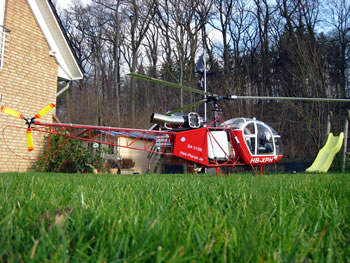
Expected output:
(2, 12)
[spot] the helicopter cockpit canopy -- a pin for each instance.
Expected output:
(260, 138)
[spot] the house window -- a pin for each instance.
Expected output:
(111, 149)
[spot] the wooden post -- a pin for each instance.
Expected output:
(345, 139)
(328, 125)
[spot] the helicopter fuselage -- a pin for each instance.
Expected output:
(211, 147)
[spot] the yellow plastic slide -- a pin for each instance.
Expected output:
(326, 155)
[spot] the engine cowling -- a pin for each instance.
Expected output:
(191, 120)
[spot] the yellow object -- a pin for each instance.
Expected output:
(326, 155)
(44, 111)
(30, 140)
(10, 112)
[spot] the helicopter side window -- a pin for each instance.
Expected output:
(279, 146)
(265, 140)
(235, 123)
(249, 129)
(249, 135)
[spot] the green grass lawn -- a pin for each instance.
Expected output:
(174, 218)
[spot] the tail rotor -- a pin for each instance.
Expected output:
(30, 144)
(44, 111)
(29, 121)
(11, 112)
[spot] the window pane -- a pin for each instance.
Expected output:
(265, 140)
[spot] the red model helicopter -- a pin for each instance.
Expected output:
(201, 143)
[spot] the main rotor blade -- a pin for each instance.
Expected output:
(186, 107)
(234, 97)
(139, 76)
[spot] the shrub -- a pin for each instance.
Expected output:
(73, 157)
(126, 163)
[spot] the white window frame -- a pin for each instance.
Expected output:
(2, 12)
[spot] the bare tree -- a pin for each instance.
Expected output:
(225, 10)
(140, 15)
(113, 35)
(339, 17)
(181, 22)
(263, 16)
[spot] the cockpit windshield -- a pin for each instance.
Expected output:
(261, 139)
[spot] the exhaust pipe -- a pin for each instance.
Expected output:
(161, 119)
(192, 120)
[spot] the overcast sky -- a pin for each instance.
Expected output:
(62, 4)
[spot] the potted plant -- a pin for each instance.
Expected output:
(126, 166)
(112, 164)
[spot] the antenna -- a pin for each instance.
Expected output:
(205, 78)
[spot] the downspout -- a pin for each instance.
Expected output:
(64, 89)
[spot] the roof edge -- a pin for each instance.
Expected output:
(64, 32)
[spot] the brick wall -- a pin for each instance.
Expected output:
(28, 82)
